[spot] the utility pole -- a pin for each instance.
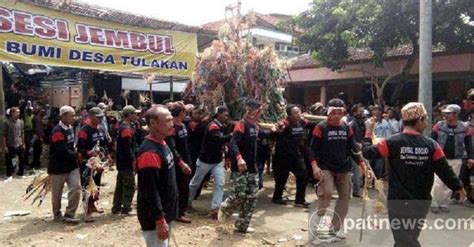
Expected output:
(171, 89)
(2, 96)
(2, 114)
(425, 86)
(151, 93)
(149, 80)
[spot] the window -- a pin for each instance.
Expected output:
(293, 49)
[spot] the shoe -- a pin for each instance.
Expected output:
(302, 204)
(279, 201)
(322, 240)
(58, 218)
(183, 219)
(115, 211)
(213, 214)
(222, 216)
(94, 209)
(128, 212)
(357, 194)
(435, 210)
(444, 209)
(191, 209)
(340, 234)
(250, 230)
(88, 218)
(70, 219)
(327, 234)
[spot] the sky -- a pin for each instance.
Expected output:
(198, 12)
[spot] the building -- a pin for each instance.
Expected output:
(264, 32)
(309, 82)
(63, 92)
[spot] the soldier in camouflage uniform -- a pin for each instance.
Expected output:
(244, 176)
(243, 196)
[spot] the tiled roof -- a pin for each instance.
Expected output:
(305, 61)
(261, 20)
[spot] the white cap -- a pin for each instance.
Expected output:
(453, 108)
(66, 109)
(102, 105)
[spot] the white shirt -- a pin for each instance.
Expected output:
(66, 127)
(394, 126)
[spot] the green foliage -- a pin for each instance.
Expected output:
(332, 26)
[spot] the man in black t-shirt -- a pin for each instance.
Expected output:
(63, 168)
(178, 143)
(289, 151)
(89, 136)
(125, 160)
(211, 159)
(332, 146)
(358, 126)
(244, 176)
(413, 160)
(157, 199)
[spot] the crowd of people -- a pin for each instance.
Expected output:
(174, 149)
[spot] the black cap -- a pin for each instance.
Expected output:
(253, 104)
(336, 103)
(221, 109)
(90, 104)
(377, 108)
(96, 112)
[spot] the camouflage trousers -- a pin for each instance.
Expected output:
(124, 190)
(243, 197)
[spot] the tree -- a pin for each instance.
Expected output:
(333, 26)
(232, 71)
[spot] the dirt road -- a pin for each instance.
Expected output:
(272, 223)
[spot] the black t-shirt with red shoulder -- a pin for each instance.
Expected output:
(290, 140)
(195, 135)
(214, 139)
(333, 146)
(244, 143)
(413, 161)
(179, 143)
(157, 195)
(87, 139)
(125, 147)
(62, 153)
